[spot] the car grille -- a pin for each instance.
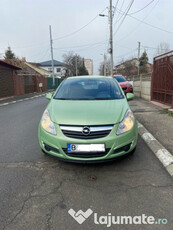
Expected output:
(122, 149)
(85, 154)
(77, 132)
(124, 88)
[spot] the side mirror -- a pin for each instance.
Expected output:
(49, 96)
(129, 96)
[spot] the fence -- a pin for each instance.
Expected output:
(142, 85)
(50, 83)
(162, 79)
(24, 84)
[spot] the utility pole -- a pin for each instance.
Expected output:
(111, 35)
(104, 65)
(111, 38)
(51, 49)
(139, 47)
(76, 64)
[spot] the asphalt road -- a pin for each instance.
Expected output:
(36, 191)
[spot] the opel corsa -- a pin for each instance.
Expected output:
(88, 119)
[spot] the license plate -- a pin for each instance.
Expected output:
(86, 148)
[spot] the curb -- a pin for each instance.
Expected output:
(164, 156)
(24, 99)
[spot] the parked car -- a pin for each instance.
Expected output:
(125, 84)
(88, 119)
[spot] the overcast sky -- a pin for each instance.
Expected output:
(24, 26)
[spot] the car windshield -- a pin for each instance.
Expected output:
(120, 78)
(89, 89)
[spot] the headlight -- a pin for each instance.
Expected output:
(47, 124)
(127, 123)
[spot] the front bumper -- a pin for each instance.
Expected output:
(116, 146)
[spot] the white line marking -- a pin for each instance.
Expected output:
(165, 157)
(148, 137)
(140, 125)
(28, 98)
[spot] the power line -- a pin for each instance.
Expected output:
(76, 31)
(67, 35)
(119, 18)
(115, 8)
(154, 48)
(141, 8)
(153, 26)
(97, 44)
(85, 45)
(127, 53)
(121, 12)
(130, 5)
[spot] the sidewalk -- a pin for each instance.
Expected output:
(21, 97)
(155, 120)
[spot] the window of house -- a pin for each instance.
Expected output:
(58, 70)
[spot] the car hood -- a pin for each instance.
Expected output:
(96, 112)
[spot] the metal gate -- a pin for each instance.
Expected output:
(50, 82)
(162, 79)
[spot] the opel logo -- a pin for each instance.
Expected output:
(86, 130)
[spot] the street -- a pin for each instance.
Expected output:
(36, 190)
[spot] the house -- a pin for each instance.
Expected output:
(35, 78)
(130, 67)
(59, 68)
(7, 81)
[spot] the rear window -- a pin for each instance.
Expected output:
(120, 78)
(89, 89)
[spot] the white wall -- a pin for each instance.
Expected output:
(59, 74)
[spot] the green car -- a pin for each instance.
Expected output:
(88, 119)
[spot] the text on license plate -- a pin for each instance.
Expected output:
(86, 147)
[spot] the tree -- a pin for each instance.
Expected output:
(163, 47)
(74, 62)
(11, 58)
(9, 54)
(143, 61)
(82, 69)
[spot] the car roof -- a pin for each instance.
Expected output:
(118, 76)
(88, 77)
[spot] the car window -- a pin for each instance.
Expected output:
(120, 78)
(89, 89)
